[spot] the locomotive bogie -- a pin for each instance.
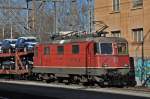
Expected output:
(79, 71)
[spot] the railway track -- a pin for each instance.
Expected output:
(61, 91)
(141, 89)
(75, 86)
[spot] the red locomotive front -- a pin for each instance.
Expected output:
(101, 60)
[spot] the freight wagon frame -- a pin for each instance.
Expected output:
(17, 63)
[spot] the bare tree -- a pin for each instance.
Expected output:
(11, 19)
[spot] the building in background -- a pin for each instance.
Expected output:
(129, 19)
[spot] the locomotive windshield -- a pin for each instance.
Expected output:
(106, 48)
(122, 48)
(103, 48)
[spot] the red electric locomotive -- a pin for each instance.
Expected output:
(99, 60)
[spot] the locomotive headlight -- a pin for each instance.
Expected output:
(126, 65)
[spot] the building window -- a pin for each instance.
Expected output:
(46, 50)
(116, 34)
(75, 49)
(137, 35)
(137, 3)
(116, 5)
(60, 49)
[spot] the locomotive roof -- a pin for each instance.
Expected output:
(109, 39)
(97, 39)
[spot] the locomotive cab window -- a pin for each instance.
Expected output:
(75, 49)
(46, 50)
(122, 48)
(60, 50)
(106, 48)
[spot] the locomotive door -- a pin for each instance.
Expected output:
(90, 57)
(40, 55)
(46, 55)
(37, 56)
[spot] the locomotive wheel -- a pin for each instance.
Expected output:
(85, 84)
(101, 83)
(60, 80)
(39, 77)
(77, 79)
(48, 81)
(120, 85)
(133, 84)
(51, 79)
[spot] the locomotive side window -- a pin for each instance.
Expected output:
(122, 48)
(75, 49)
(46, 50)
(36, 51)
(96, 48)
(60, 49)
(106, 48)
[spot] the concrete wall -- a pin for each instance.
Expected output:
(142, 71)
